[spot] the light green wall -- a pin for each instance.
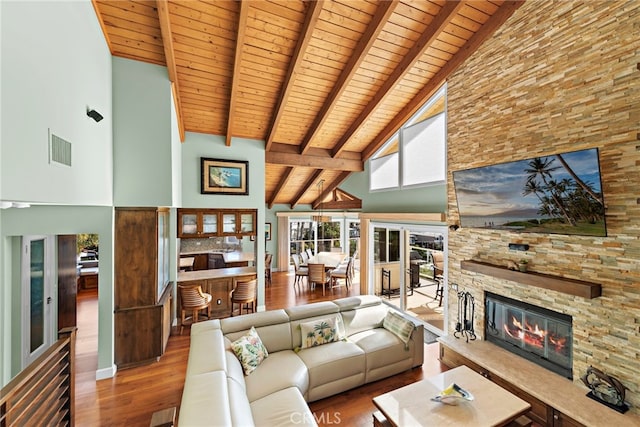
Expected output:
(422, 199)
(55, 64)
(198, 145)
(142, 136)
(54, 220)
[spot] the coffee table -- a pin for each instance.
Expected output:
(411, 405)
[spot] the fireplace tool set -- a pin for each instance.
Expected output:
(466, 312)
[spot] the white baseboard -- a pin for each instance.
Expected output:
(262, 308)
(104, 373)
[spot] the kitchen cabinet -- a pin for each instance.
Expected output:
(142, 291)
(204, 223)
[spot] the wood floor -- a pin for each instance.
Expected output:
(131, 397)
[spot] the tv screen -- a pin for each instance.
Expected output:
(560, 193)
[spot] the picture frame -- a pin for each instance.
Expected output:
(220, 176)
(267, 231)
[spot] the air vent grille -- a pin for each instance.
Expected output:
(60, 150)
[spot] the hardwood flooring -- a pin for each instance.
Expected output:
(133, 395)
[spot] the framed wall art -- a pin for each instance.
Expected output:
(224, 176)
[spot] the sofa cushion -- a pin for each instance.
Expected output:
(241, 414)
(400, 326)
(280, 370)
(321, 331)
(272, 326)
(340, 362)
(385, 353)
(250, 351)
(205, 400)
(282, 408)
(206, 351)
(363, 319)
(316, 309)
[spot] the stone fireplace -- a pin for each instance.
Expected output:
(540, 335)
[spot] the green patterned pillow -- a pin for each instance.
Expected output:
(321, 331)
(401, 327)
(250, 351)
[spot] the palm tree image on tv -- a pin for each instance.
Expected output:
(560, 193)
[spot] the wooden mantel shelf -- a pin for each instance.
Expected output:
(575, 287)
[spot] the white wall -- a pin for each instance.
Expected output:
(55, 64)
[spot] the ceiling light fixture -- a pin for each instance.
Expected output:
(321, 217)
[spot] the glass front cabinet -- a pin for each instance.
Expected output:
(204, 223)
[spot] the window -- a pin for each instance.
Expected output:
(416, 155)
(386, 245)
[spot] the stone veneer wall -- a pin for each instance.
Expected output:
(559, 76)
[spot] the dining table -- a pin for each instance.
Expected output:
(330, 260)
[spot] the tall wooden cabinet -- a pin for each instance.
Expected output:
(143, 292)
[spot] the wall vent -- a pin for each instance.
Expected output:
(60, 150)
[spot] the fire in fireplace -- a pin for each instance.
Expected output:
(535, 333)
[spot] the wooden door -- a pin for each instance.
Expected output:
(67, 281)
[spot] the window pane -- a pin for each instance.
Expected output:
(380, 245)
(301, 236)
(37, 295)
(384, 172)
(423, 155)
(394, 245)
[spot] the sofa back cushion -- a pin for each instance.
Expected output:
(272, 326)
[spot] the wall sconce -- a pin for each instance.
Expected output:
(94, 115)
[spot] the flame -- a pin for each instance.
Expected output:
(533, 335)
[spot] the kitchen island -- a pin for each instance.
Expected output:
(218, 283)
(231, 259)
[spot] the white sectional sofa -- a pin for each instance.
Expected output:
(218, 393)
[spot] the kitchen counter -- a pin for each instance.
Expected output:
(218, 273)
(229, 257)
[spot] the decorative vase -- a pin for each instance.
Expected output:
(522, 268)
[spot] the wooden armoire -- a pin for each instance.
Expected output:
(143, 293)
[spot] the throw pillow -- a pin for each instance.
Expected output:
(249, 350)
(398, 325)
(321, 331)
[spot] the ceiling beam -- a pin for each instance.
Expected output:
(370, 36)
(314, 161)
(437, 25)
(311, 19)
(495, 21)
(306, 187)
(170, 59)
(328, 189)
(235, 83)
(283, 182)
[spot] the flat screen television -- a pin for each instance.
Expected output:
(560, 194)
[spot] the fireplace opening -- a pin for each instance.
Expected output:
(536, 333)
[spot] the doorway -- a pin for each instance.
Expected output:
(408, 270)
(37, 297)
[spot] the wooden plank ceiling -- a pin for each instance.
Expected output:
(323, 83)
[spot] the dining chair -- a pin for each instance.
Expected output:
(309, 252)
(318, 275)
(267, 268)
(245, 294)
(193, 300)
(343, 271)
(216, 260)
(305, 258)
(300, 271)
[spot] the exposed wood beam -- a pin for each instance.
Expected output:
(384, 11)
(169, 56)
(306, 187)
(447, 13)
(235, 83)
(328, 189)
(497, 19)
(314, 161)
(285, 178)
(105, 33)
(315, 7)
